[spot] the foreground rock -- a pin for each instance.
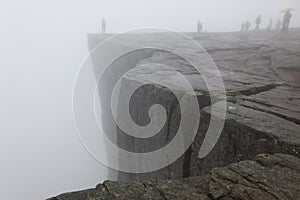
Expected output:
(267, 177)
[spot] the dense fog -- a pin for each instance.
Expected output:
(43, 44)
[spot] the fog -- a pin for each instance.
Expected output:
(43, 44)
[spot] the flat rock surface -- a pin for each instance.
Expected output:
(282, 101)
(259, 67)
(267, 177)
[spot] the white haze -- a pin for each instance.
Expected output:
(42, 46)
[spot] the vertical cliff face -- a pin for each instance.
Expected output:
(260, 73)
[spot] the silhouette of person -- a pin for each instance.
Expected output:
(278, 24)
(257, 22)
(247, 25)
(243, 26)
(199, 27)
(270, 25)
(103, 25)
(286, 21)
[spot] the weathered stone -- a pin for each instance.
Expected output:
(247, 132)
(266, 177)
(261, 75)
(282, 101)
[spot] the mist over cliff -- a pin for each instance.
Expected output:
(43, 44)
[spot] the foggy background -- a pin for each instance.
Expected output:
(42, 46)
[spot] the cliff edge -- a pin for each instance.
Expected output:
(261, 134)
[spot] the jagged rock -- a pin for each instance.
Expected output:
(266, 177)
(261, 75)
(247, 132)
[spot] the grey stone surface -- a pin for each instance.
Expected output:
(282, 101)
(261, 74)
(267, 177)
(247, 132)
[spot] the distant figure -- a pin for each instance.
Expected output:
(286, 21)
(243, 26)
(103, 25)
(199, 27)
(257, 22)
(270, 25)
(247, 25)
(278, 24)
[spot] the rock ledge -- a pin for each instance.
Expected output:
(266, 177)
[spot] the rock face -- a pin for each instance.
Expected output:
(261, 74)
(247, 132)
(257, 154)
(267, 177)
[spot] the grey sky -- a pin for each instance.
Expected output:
(42, 46)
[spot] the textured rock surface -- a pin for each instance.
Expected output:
(267, 177)
(247, 132)
(261, 73)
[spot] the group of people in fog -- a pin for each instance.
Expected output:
(246, 26)
(281, 24)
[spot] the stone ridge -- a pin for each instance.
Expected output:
(267, 177)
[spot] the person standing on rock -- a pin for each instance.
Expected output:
(257, 22)
(278, 24)
(286, 21)
(247, 26)
(199, 27)
(103, 25)
(270, 25)
(243, 26)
